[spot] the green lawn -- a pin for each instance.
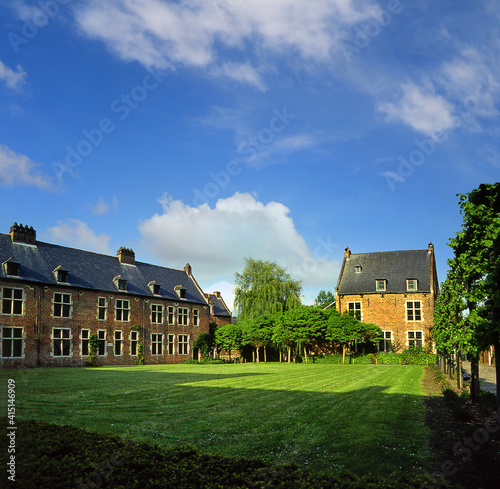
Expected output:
(367, 418)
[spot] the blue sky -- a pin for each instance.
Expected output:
(209, 131)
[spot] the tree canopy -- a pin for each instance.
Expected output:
(264, 288)
(325, 298)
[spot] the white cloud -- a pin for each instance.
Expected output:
(18, 169)
(215, 241)
(421, 109)
(78, 234)
(206, 34)
(103, 207)
(13, 79)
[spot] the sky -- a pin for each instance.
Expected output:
(210, 131)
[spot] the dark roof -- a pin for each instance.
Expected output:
(87, 270)
(220, 308)
(393, 266)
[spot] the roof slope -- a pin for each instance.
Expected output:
(394, 266)
(220, 307)
(89, 270)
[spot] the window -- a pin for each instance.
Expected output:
(61, 275)
(358, 268)
(380, 285)
(102, 308)
(12, 342)
(183, 344)
(12, 268)
(386, 342)
(156, 344)
(62, 342)
(155, 287)
(411, 284)
(183, 316)
(85, 345)
(180, 291)
(12, 301)
(171, 314)
(134, 341)
(196, 317)
(414, 311)
(118, 343)
(415, 339)
(62, 305)
(170, 344)
(156, 314)
(354, 309)
(101, 347)
(120, 283)
(122, 310)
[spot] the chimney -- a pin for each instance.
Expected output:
(23, 234)
(347, 253)
(217, 294)
(431, 248)
(126, 256)
(188, 269)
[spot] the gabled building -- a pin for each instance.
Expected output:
(396, 290)
(53, 298)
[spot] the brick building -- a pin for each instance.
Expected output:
(53, 298)
(396, 290)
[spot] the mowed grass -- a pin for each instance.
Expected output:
(366, 418)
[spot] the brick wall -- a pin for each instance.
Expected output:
(389, 312)
(38, 323)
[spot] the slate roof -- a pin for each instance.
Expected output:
(220, 308)
(394, 266)
(87, 270)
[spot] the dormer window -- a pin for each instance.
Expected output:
(411, 284)
(154, 287)
(120, 282)
(381, 285)
(11, 267)
(61, 274)
(180, 291)
(358, 268)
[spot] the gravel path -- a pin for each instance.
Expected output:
(487, 376)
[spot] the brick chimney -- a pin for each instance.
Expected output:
(126, 256)
(217, 294)
(188, 269)
(23, 234)
(347, 253)
(431, 248)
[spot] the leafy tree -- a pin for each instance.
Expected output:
(258, 332)
(229, 337)
(344, 328)
(203, 343)
(264, 288)
(306, 325)
(476, 266)
(324, 299)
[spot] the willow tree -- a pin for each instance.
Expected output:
(264, 288)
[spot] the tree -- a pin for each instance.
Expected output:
(306, 325)
(344, 328)
(264, 288)
(258, 332)
(476, 266)
(324, 299)
(203, 343)
(229, 337)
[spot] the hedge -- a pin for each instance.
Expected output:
(51, 456)
(379, 358)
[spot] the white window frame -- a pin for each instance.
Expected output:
(380, 285)
(101, 337)
(171, 315)
(183, 316)
(387, 338)
(62, 304)
(408, 282)
(122, 310)
(12, 301)
(413, 311)
(159, 312)
(118, 341)
(355, 309)
(414, 338)
(12, 339)
(62, 339)
(134, 341)
(102, 308)
(196, 317)
(171, 344)
(85, 337)
(156, 344)
(183, 343)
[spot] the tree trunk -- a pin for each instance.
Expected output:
(265, 355)
(474, 379)
(289, 354)
(344, 348)
(496, 345)
(305, 354)
(257, 354)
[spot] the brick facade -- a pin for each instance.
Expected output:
(46, 324)
(405, 315)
